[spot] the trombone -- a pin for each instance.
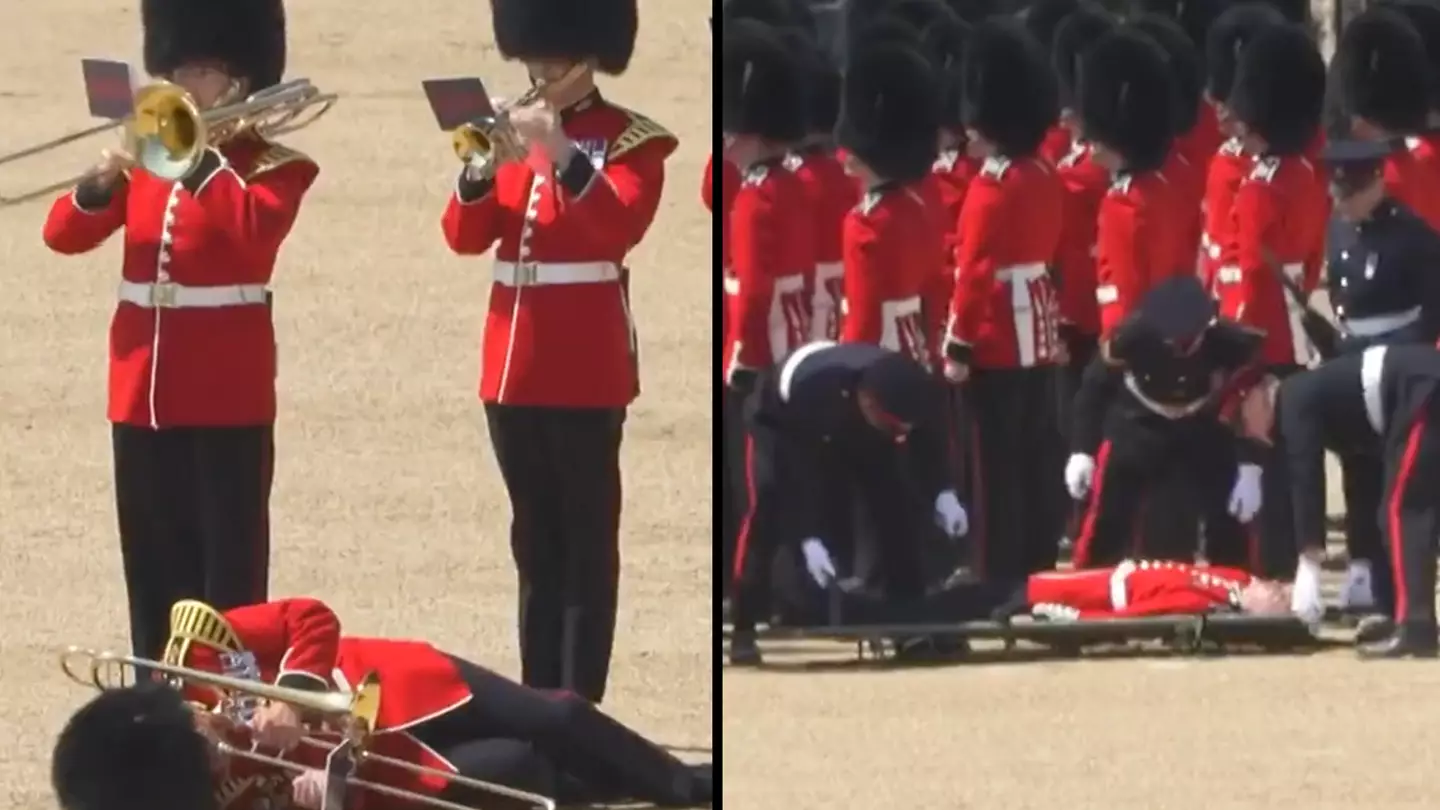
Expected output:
(355, 715)
(490, 140)
(167, 132)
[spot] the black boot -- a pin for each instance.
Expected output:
(1373, 628)
(702, 785)
(1017, 603)
(1408, 641)
(744, 651)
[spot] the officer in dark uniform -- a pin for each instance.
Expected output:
(1381, 275)
(1382, 401)
(851, 425)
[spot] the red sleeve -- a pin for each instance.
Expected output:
(981, 223)
(257, 212)
(302, 634)
(472, 227)
(755, 234)
(614, 210)
(1176, 602)
(707, 187)
(860, 317)
(71, 230)
(1254, 213)
(1119, 282)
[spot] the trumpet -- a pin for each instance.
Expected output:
(167, 133)
(490, 140)
(353, 714)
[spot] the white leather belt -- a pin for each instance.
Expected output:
(532, 274)
(1119, 585)
(1380, 324)
(1022, 307)
(1020, 273)
(177, 296)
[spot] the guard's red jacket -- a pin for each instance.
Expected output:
(1136, 236)
(1057, 144)
(192, 343)
(1228, 167)
(297, 643)
(1143, 588)
(830, 194)
(558, 331)
(772, 257)
(1004, 312)
(945, 188)
(1188, 169)
(1085, 183)
(1412, 175)
(1279, 226)
(892, 258)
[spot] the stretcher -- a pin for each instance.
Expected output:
(1189, 634)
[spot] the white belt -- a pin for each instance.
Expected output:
(1372, 370)
(533, 274)
(1020, 273)
(177, 296)
(1119, 579)
(1380, 324)
(1022, 305)
(824, 271)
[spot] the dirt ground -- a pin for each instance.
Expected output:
(387, 501)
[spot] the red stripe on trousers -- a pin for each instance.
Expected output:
(1397, 538)
(977, 489)
(1080, 558)
(742, 537)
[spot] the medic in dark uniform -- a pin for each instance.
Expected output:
(1230, 164)
(1125, 96)
(1156, 407)
(192, 343)
(1380, 59)
(834, 432)
(1002, 339)
(1381, 401)
(892, 250)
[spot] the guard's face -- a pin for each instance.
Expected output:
(1265, 598)
(207, 82)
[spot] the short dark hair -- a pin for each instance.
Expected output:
(135, 748)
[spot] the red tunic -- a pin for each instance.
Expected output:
(945, 188)
(297, 643)
(1227, 168)
(192, 343)
(1136, 234)
(772, 256)
(892, 257)
(558, 331)
(1279, 226)
(1085, 183)
(1057, 143)
(830, 194)
(1412, 175)
(1143, 588)
(1004, 312)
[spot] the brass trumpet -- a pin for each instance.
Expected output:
(354, 716)
(490, 140)
(167, 133)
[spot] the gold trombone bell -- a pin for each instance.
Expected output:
(491, 139)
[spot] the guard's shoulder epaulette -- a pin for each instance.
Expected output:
(995, 167)
(1265, 169)
(270, 156)
(639, 130)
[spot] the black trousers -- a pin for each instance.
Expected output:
(194, 512)
(1276, 522)
(732, 481)
(554, 743)
(562, 471)
(1016, 466)
(1363, 478)
(1410, 513)
(1082, 349)
(1147, 455)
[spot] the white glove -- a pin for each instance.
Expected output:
(818, 562)
(1245, 497)
(950, 515)
(1079, 475)
(1305, 596)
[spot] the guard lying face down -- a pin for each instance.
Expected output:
(1153, 416)
(846, 471)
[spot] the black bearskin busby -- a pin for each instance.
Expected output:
(762, 84)
(135, 748)
(1380, 66)
(889, 110)
(247, 36)
(794, 13)
(944, 43)
(599, 31)
(1008, 91)
(1043, 17)
(821, 81)
(1123, 82)
(1425, 17)
(1228, 36)
(973, 11)
(1194, 17)
(1279, 88)
(1073, 36)
(1186, 67)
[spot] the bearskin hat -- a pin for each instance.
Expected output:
(602, 31)
(944, 42)
(1279, 88)
(889, 113)
(762, 84)
(1379, 58)
(1228, 36)
(973, 11)
(247, 36)
(134, 748)
(794, 13)
(1295, 11)
(1043, 17)
(821, 81)
(1186, 70)
(1008, 91)
(1073, 36)
(1194, 17)
(1123, 82)
(1425, 17)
